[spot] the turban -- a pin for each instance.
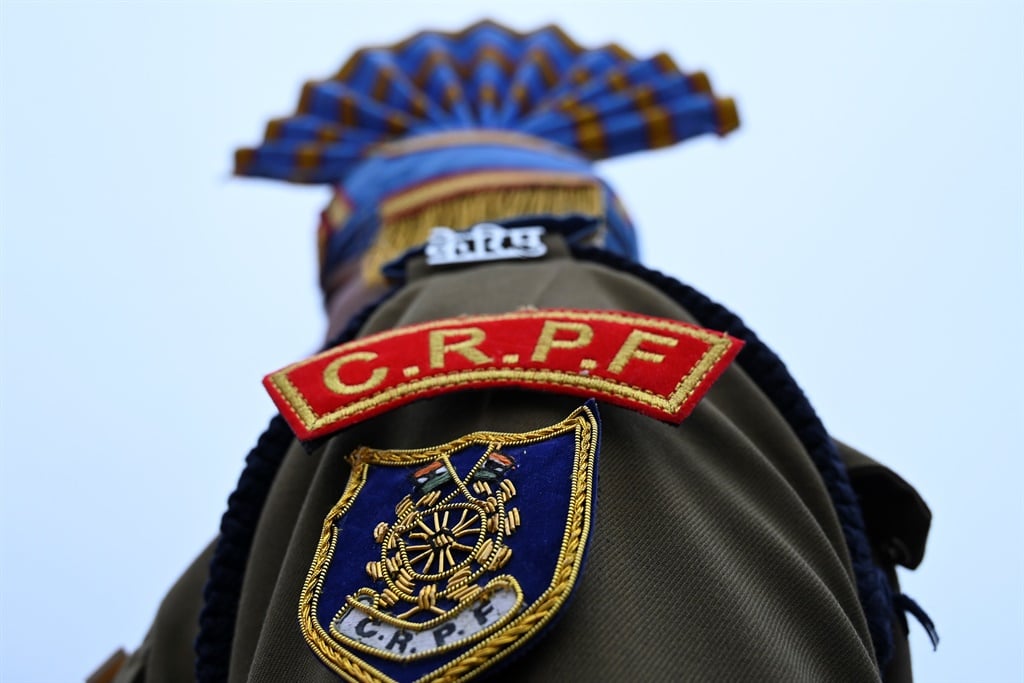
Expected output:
(451, 129)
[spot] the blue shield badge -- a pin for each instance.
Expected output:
(438, 563)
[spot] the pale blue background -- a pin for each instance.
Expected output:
(866, 221)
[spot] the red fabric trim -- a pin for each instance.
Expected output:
(659, 367)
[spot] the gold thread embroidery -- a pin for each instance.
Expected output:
(718, 346)
(503, 580)
(547, 341)
(419, 197)
(466, 199)
(439, 346)
(429, 528)
(631, 349)
(508, 637)
(333, 381)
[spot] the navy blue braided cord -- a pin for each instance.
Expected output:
(771, 375)
(227, 566)
(907, 604)
(237, 528)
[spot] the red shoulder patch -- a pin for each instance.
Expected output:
(658, 367)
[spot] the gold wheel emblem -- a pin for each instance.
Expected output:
(466, 566)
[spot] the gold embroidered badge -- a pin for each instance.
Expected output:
(437, 563)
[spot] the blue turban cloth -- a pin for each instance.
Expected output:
(452, 129)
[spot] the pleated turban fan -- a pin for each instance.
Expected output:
(453, 129)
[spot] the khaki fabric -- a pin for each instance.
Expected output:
(716, 554)
(896, 517)
(166, 654)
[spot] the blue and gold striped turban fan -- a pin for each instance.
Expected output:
(451, 129)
